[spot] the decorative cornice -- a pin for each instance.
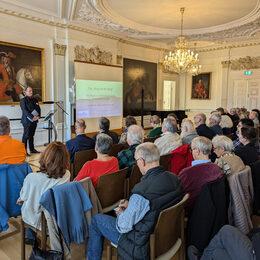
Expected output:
(225, 64)
(246, 63)
(59, 49)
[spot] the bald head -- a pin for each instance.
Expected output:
(199, 119)
(80, 126)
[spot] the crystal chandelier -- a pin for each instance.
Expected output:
(181, 59)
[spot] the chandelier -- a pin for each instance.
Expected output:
(182, 60)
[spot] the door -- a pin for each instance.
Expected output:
(169, 88)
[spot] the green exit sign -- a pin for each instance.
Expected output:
(247, 72)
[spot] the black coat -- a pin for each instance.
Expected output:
(113, 135)
(27, 105)
(203, 130)
(209, 213)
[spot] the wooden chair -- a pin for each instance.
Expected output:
(151, 139)
(165, 161)
(111, 188)
(116, 148)
(134, 178)
(168, 236)
(81, 158)
(43, 235)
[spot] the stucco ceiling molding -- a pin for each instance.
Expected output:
(100, 13)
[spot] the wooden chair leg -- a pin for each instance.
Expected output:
(22, 240)
(109, 252)
(43, 241)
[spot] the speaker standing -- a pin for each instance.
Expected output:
(31, 113)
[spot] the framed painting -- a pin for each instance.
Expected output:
(201, 84)
(137, 76)
(20, 66)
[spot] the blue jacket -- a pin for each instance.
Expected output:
(11, 183)
(71, 203)
(79, 143)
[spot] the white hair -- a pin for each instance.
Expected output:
(203, 144)
(223, 141)
(135, 134)
(148, 151)
(216, 117)
(186, 123)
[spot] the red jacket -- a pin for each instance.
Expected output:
(181, 158)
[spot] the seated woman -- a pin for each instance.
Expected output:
(103, 164)
(248, 137)
(129, 120)
(54, 165)
(228, 162)
(156, 124)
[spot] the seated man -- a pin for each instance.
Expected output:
(103, 125)
(135, 220)
(126, 158)
(81, 142)
(201, 171)
(169, 139)
(202, 129)
(156, 124)
(214, 121)
(233, 115)
(242, 123)
(12, 151)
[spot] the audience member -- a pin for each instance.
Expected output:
(103, 164)
(129, 120)
(228, 162)
(201, 171)
(229, 244)
(81, 142)
(202, 129)
(243, 113)
(226, 122)
(188, 132)
(54, 170)
(169, 139)
(135, 136)
(214, 121)
(234, 115)
(12, 151)
(242, 123)
(253, 115)
(248, 152)
(135, 221)
(156, 124)
(104, 124)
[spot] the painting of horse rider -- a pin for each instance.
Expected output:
(20, 67)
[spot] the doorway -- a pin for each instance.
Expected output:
(169, 90)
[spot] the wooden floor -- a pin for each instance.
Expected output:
(10, 240)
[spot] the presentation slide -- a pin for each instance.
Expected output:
(98, 98)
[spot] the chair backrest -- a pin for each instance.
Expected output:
(111, 187)
(169, 228)
(165, 161)
(151, 139)
(135, 177)
(81, 158)
(115, 149)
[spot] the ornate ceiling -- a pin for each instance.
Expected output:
(206, 22)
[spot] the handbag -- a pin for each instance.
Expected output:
(39, 254)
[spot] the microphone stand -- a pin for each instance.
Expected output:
(63, 112)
